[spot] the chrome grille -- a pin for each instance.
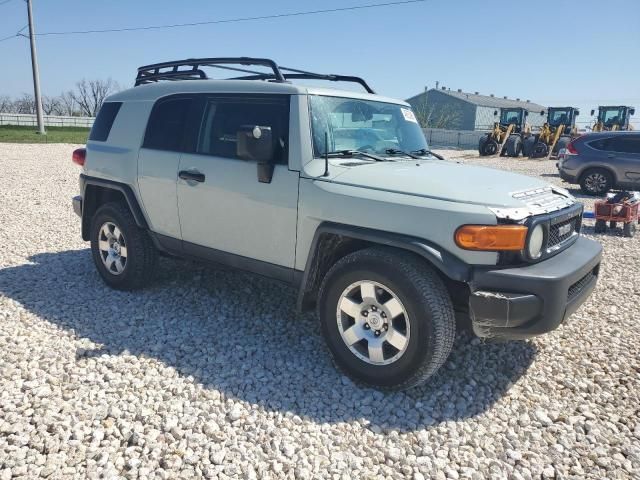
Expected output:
(563, 231)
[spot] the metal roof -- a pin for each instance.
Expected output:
(486, 100)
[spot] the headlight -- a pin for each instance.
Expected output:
(536, 239)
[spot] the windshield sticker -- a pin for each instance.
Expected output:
(408, 115)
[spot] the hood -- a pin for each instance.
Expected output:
(454, 182)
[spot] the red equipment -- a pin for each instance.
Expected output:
(625, 212)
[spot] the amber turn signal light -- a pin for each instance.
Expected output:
(491, 237)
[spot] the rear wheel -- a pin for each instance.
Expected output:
(527, 146)
(629, 229)
(123, 253)
(514, 145)
(387, 318)
(600, 227)
(596, 181)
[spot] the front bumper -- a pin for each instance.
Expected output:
(522, 302)
(77, 205)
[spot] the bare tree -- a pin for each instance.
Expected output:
(68, 105)
(51, 105)
(6, 104)
(25, 104)
(438, 115)
(90, 94)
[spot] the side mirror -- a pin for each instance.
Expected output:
(495, 113)
(542, 113)
(256, 143)
(632, 111)
(526, 113)
(593, 112)
(577, 112)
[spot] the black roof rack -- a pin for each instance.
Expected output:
(175, 71)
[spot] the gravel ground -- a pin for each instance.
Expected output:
(211, 373)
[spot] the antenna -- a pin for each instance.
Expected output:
(326, 154)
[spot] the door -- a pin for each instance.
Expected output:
(158, 163)
(222, 205)
(624, 155)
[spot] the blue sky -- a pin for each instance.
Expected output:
(552, 52)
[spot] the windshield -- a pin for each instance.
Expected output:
(559, 117)
(507, 117)
(365, 125)
(611, 116)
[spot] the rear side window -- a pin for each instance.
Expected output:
(622, 144)
(104, 121)
(626, 144)
(165, 130)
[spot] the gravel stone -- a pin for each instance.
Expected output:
(210, 373)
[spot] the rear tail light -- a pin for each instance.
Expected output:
(571, 149)
(79, 156)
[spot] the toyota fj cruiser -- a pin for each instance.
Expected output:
(337, 193)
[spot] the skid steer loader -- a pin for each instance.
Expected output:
(555, 134)
(507, 135)
(612, 118)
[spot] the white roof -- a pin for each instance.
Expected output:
(153, 91)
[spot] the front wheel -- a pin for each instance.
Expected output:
(387, 318)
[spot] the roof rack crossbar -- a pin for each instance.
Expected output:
(157, 71)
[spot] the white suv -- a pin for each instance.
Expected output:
(337, 193)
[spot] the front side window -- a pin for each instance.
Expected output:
(509, 117)
(224, 117)
(559, 117)
(165, 130)
(611, 116)
(365, 125)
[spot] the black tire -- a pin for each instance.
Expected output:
(527, 146)
(540, 150)
(562, 143)
(429, 316)
(139, 266)
(481, 142)
(613, 224)
(600, 227)
(596, 181)
(490, 147)
(514, 145)
(629, 229)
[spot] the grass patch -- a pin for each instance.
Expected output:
(15, 134)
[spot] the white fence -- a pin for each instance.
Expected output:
(464, 139)
(28, 120)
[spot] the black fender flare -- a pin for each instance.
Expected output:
(448, 264)
(123, 188)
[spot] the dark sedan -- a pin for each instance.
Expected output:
(602, 161)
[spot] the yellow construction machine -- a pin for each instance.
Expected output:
(507, 135)
(555, 134)
(611, 118)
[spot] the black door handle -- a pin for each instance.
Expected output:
(195, 176)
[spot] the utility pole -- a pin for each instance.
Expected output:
(36, 74)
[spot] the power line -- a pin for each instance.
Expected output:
(5, 1)
(9, 37)
(234, 20)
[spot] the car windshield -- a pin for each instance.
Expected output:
(507, 117)
(363, 125)
(611, 116)
(559, 117)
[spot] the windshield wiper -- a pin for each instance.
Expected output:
(424, 151)
(352, 153)
(395, 151)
